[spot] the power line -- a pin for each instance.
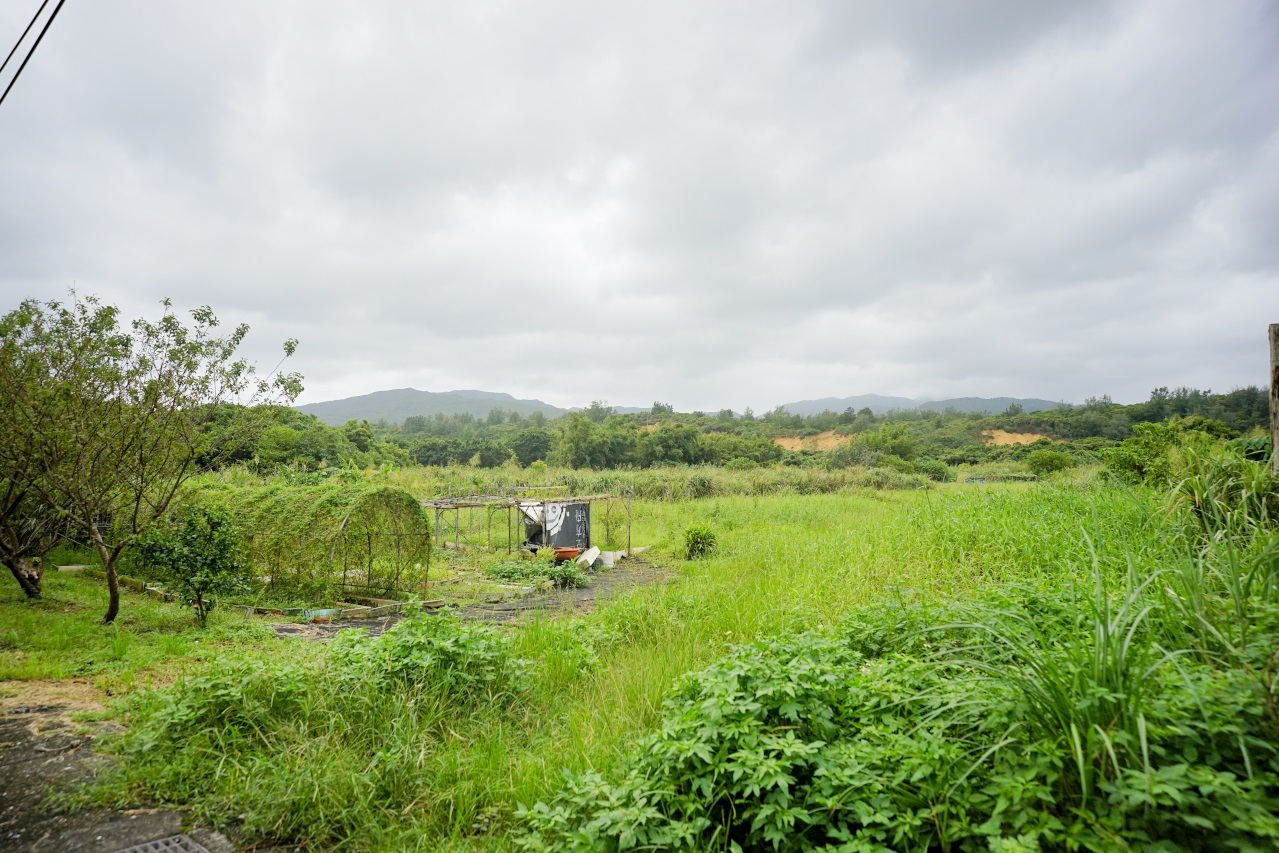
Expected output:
(39, 38)
(24, 35)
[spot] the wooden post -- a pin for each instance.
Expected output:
(1274, 398)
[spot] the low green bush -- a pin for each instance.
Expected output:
(1043, 462)
(247, 697)
(437, 651)
(335, 748)
(938, 472)
(700, 540)
(519, 570)
(568, 575)
(1029, 720)
(896, 463)
(198, 554)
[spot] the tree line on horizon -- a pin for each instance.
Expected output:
(599, 437)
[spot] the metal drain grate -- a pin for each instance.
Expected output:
(172, 844)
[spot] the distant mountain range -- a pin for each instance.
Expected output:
(394, 406)
(880, 405)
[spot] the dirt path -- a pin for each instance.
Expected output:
(625, 576)
(43, 749)
(40, 749)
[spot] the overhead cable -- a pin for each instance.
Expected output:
(23, 36)
(39, 38)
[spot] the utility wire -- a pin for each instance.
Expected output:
(43, 30)
(24, 35)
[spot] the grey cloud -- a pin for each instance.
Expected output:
(956, 37)
(723, 204)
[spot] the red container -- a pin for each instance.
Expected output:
(566, 553)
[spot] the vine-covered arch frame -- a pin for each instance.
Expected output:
(360, 539)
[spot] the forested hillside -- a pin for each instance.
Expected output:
(599, 437)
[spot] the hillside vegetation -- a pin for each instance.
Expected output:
(600, 438)
(1086, 663)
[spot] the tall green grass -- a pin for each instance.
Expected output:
(1086, 697)
(399, 769)
(1072, 646)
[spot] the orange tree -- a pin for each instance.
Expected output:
(105, 423)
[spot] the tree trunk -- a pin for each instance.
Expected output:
(109, 556)
(113, 588)
(28, 577)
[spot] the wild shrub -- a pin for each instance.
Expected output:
(891, 439)
(338, 750)
(1031, 721)
(897, 464)
(1042, 462)
(1228, 494)
(1154, 454)
(198, 554)
(852, 454)
(439, 652)
(934, 470)
(566, 575)
(243, 698)
(1143, 458)
(888, 478)
(518, 570)
(700, 540)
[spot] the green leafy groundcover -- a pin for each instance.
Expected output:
(329, 752)
(883, 736)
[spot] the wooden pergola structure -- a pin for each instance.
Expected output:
(470, 521)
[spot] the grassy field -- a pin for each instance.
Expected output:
(448, 736)
(61, 636)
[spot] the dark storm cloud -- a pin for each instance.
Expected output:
(713, 204)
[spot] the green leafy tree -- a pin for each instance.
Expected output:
(892, 439)
(115, 418)
(673, 444)
(28, 529)
(598, 411)
(360, 434)
(199, 555)
(531, 445)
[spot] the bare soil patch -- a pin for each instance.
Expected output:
(823, 441)
(69, 696)
(1000, 437)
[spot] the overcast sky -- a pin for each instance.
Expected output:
(709, 204)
